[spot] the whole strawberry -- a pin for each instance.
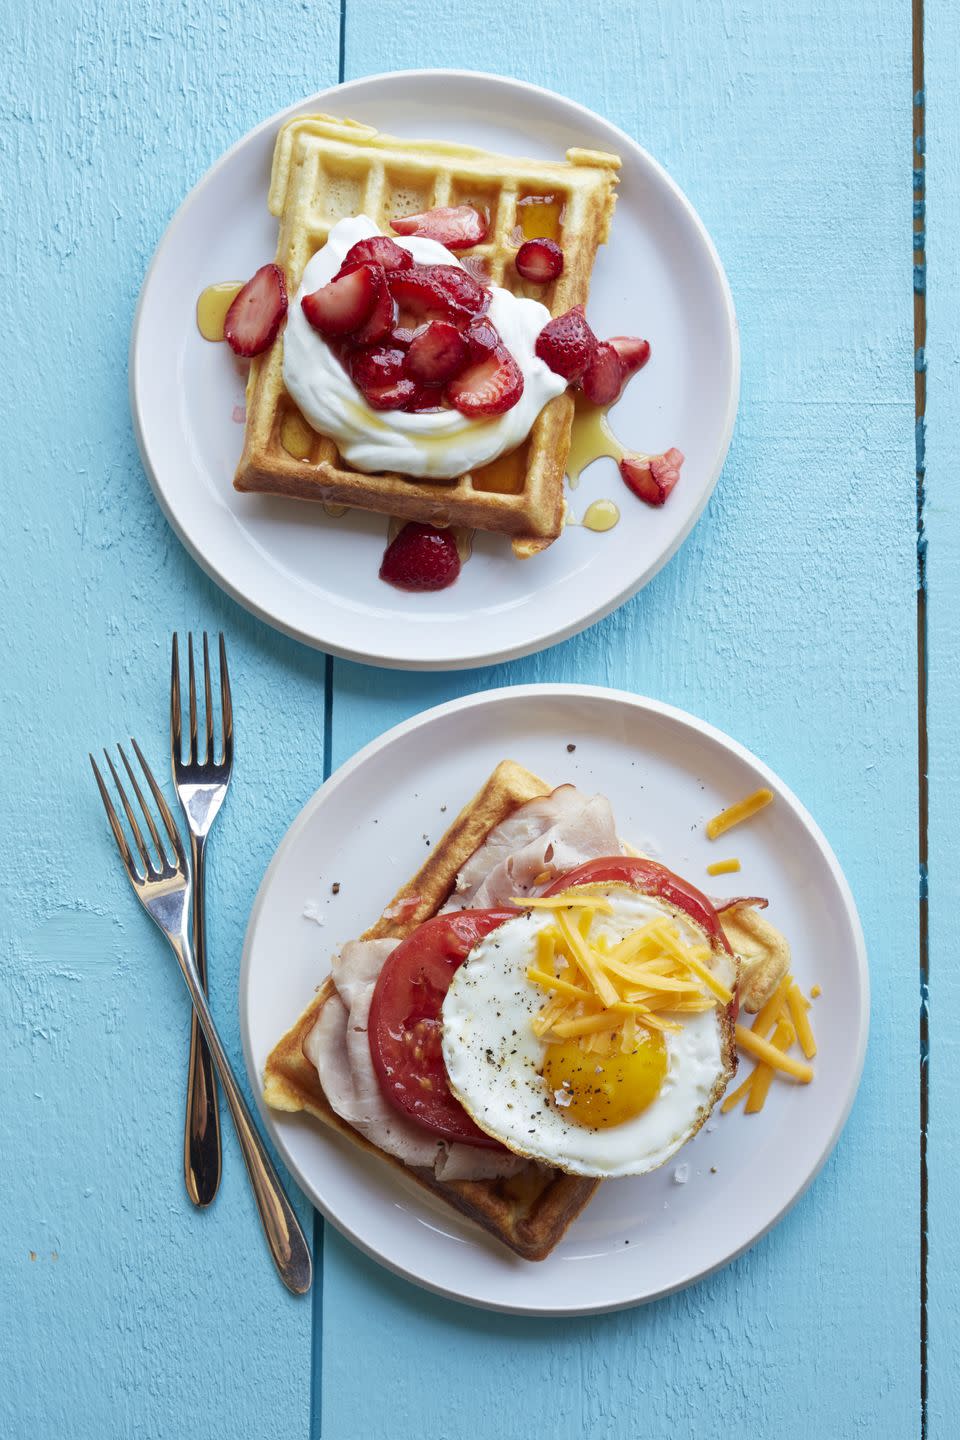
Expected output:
(421, 557)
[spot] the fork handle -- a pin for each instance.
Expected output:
(288, 1246)
(201, 1132)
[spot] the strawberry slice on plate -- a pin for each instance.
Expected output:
(376, 250)
(539, 260)
(488, 387)
(392, 395)
(482, 337)
(652, 477)
(379, 322)
(343, 305)
(438, 292)
(421, 557)
(458, 227)
(634, 352)
(437, 353)
(255, 316)
(604, 378)
(376, 366)
(424, 397)
(567, 344)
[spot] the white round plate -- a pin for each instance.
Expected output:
(665, 773)
(315, 577)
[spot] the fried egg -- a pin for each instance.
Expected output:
(563, 1102)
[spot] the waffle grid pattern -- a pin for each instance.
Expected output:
(326, 169)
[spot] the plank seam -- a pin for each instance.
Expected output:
(923, 809)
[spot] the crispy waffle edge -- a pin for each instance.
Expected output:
(529, 1212)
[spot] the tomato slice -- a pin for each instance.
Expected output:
(650, 879)
(405, 1025)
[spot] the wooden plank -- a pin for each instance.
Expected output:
(788, 619)
(124, 1312)
(941, 456)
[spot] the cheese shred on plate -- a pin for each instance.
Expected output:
(736, 814)
(724, 867)
(780, 1025)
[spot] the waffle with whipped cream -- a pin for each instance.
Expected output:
(325, 169)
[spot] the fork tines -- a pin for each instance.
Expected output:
(158, 866)
(226, 707)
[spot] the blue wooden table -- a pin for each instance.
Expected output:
(790, 619)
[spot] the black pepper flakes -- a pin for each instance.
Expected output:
(335, 888)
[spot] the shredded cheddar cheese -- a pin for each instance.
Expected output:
(731, 1101)
(801, 1021)
(781, 1024)
(569, 902)
(768, 1014)
(762, 1077)
(737, 813)
(601, 994)
(750, 1041)
(724, 867)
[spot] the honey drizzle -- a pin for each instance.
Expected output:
(212, 306)
(539, 217)
(296, 437)
(590, 438)
(601, 515)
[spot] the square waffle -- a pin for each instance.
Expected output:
(528, 1212)
(325, 169)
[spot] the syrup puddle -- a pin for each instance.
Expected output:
(590, 438)
(212, 306)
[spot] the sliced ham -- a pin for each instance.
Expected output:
(339, 1047)
(544, 838)
(539, 841)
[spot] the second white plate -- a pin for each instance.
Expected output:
(665, 772)
(315, 577)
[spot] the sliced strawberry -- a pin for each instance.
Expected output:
(567, 344)
(603, 379)
(482, 337)
(342, 306)
(437, 353)
(377, 250)
(375, 367)
(652, 477)
(379, 322)
(254, 317)
(539, 261)
(425, 397)
(393, 396)
(421, 558)
(438, 292)
(634, 353)
(456, 226)
(488, 387)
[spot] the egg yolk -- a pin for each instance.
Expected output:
(605, 1090)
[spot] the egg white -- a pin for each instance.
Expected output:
(495, 1061)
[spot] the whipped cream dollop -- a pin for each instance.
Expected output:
(435, 444)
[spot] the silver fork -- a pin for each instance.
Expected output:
(161, 882)
(201, 785)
